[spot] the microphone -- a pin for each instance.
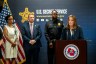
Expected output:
(73, 32)
(67, 35)
(15, 33)
(15, 29)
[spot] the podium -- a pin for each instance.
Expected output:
(71, 52)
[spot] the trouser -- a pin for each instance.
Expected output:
(51, 53)
(32, 55)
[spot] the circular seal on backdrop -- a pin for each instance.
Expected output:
(71, 52)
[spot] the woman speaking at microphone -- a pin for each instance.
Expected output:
(72, 31)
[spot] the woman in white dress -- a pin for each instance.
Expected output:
(11, 34)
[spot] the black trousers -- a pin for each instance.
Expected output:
(51, 55)
(32, 55)
(0, 53)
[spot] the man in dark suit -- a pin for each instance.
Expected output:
(31, 33)
(53, 30)
(1, 42)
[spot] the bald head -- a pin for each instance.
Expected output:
(54, 14)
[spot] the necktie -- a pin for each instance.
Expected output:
(31, 29)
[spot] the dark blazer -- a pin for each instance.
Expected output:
(1, 37)
(27, 35)
(78, 34)
(1, 34)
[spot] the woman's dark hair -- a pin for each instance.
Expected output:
(6, 18)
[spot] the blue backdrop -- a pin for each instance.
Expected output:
(84, 10)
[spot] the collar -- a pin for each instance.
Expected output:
(31, 23)
(55, 20)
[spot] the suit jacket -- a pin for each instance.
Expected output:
(27, 35)
(1, 37)
(1, 34)
(78, 34)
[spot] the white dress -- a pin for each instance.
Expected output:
(11, 52)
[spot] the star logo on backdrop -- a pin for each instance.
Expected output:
(25, 14)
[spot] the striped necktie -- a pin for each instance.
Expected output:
(31, 29)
